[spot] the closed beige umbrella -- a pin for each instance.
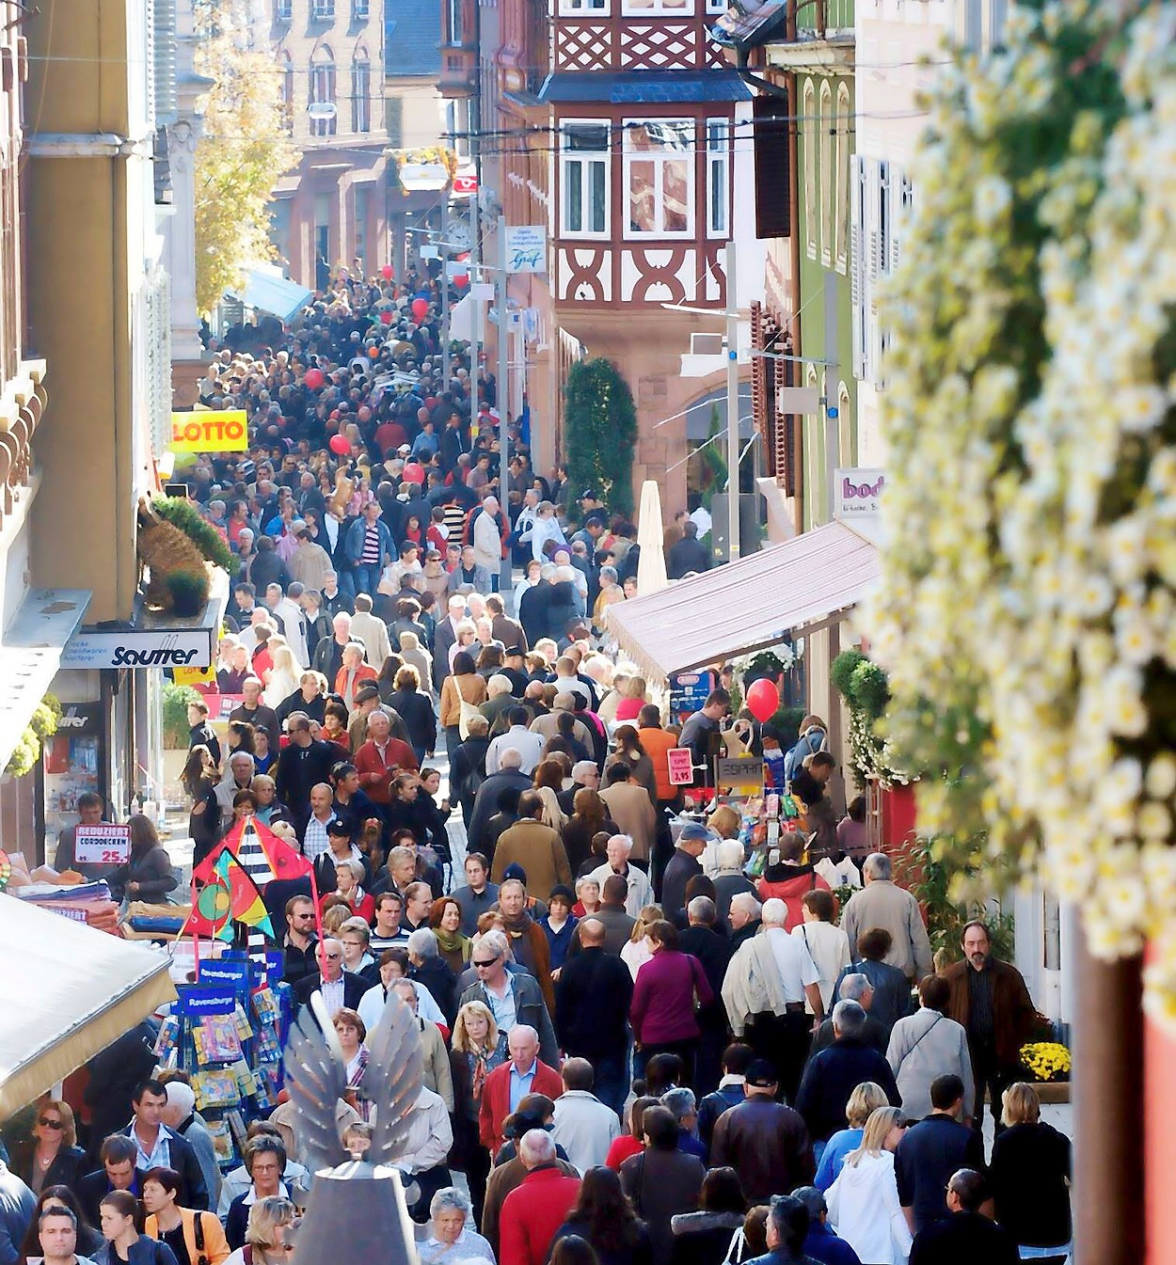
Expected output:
(651, 567)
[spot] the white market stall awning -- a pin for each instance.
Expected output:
(748, 604)
(267, 290)
(68, 991)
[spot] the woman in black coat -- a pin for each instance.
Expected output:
(199, 779)
(1030, 1174)
(50, 1156)
(148, 874)
(603, 1217)
(704, 1237)
(416, 710)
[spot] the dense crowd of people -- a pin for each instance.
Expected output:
(638, 1049)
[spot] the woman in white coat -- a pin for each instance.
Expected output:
(863, 1201)
(928, 1044)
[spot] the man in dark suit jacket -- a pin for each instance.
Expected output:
(592, 997)
(854, 987)
(444, 637)
(339, 988)
(967, 1236)
(118, 1172)
(156, 1145)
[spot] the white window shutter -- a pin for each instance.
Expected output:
(898, 186)
(856, 264)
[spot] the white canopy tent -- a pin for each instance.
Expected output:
(66, 992)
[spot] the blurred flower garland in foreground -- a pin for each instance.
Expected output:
(1027, 611)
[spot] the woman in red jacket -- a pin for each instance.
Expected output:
(669, 988)
(348, 876)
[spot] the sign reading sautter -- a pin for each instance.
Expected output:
(95, 648)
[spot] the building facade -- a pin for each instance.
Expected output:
(331, 210)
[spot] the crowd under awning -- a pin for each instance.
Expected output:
(747, 605)
(76, 991)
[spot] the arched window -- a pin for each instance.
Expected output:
(842, 121)
(826, 153)
(322, 108)
(361, 91)
(809, 141)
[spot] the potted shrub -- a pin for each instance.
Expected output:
(189, 592)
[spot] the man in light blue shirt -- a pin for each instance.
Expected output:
(523, 1044)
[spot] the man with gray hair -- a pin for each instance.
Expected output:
(855, 987)
(701, 940)
(764, 992)
(640, 893)
(584, 1126)
(534, 1211)
(831, 1076)
(744, 918)
(729, 878)
(881, 904)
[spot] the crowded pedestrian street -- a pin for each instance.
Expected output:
(587, 617)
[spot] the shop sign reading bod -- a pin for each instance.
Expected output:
(223, 430)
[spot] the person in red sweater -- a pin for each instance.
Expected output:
(380, 758)
(532, 1212)
(348, 877)
(507, 1085)
(791, 879)
(663, 1005)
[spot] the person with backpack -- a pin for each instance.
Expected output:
(195, 1238)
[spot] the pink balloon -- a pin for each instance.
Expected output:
(763, 699)
(339, 445)
(420, 309)
(314, 379)
(414, 472)
(386, 272)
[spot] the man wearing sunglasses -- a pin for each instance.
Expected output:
(339, 988)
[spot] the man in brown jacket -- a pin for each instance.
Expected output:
(990, 999)
(534, 846)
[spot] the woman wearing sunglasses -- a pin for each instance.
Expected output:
(50, 1157)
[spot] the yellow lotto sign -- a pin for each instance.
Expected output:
(226, 430)
(195, 676)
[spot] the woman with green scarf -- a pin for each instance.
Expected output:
(445, 922)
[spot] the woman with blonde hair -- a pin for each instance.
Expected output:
(1030, 1175)
(284, 676)
(633, 696)
(465, 639)
(476, 1049)
(265, 1235)
(723, 823)
(638, 951)
(863, 1202)
(51, 1155)
(865, 1099)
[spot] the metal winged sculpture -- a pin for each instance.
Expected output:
(356, 1209)
(316, 1076)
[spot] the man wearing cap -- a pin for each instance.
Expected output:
(514, 665)
(640, 893)
(766, 1143)
(367, 702)
(683, 866)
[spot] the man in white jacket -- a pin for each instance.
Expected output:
(372, 631)
(584, 1126)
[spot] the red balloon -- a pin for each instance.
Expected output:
(763, 699)
(314, 379)
(461, 280)
(339, 445)
(420, 309)
(414, 472)
(386, 272)
(385, 318)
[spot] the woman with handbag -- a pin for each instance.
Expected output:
(926, 1045)
(462, 693)
(195, 1238)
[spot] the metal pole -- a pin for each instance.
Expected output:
(445, 289)
(474, 276)
(732, 407)
(502, 398)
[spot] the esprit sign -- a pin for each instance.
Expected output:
(223, 431)
(90, 648)
(857, 493)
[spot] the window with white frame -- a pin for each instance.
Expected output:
(360, 10)
(584, 8)
(659, 177)
(324, 116)
(858, 267)
(584, 178)
(718, 177)
(808, 112)
(841, 164)
(361, 94)
(283, 10)
(647, 8)
(322, 9)
(825, 153)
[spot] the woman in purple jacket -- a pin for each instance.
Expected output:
(670, 987)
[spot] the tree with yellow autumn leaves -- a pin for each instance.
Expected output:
(245, 148)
